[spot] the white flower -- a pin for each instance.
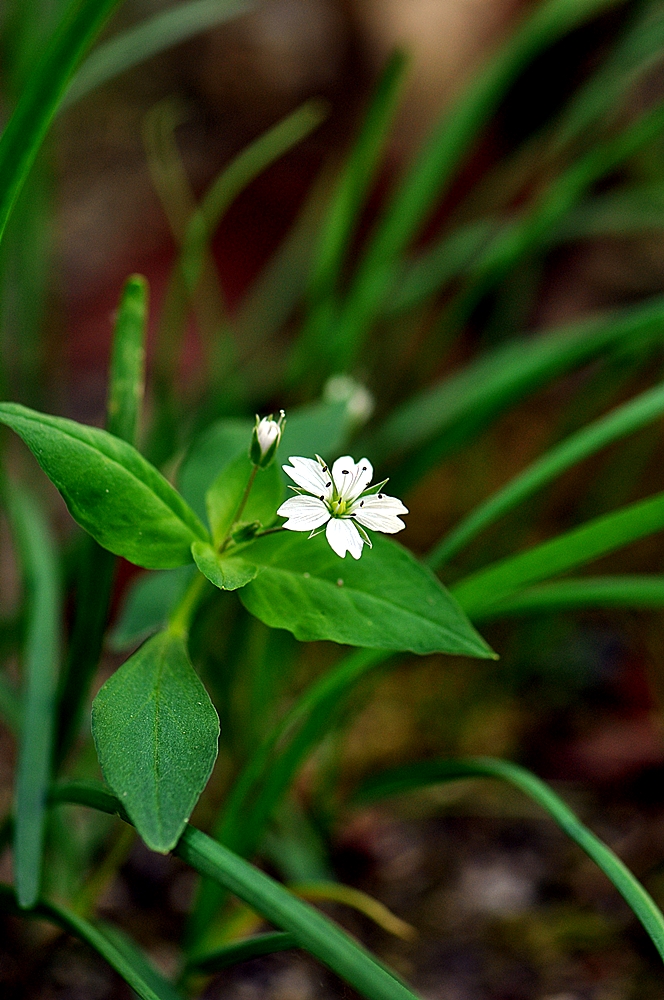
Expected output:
(339, 500)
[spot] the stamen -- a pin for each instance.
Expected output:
(321, 498)
(361, 503)
(380, 496)
(344, 472)
(328, 484)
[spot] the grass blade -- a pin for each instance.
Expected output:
(121, 955)
(34, 112)
(617, 424)
(169, 27)
(40, 674)
(439, 418)
(345, 212)
(127, 375)
(431, 174)
(481, 590)
(634, 591)
(430, 772)
(310, 929)
(242, 951)
(97, 565)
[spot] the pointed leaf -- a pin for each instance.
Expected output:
(385, 600)
(227, 573)
(156, 734)
(110, 489)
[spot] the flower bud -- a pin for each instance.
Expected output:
(265, 439)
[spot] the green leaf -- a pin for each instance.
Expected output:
(111, 491)
(156, 734)
(40, 677)
(225, 572)
(480, 591)
(224, 499)
(166, 29)
(614, 425)
(127, 375)
(28, 125)
(414, 776)
(148, 605)
(385, 600)
(589, 592)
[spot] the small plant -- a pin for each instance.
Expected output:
(253, 530)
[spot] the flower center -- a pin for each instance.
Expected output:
(338, 507)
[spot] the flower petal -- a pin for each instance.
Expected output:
(311, 476)
(304, 513)
(379, 512)
(344, 537)
(351, 478)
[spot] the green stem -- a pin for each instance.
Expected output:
(180, 620)
(240, 507)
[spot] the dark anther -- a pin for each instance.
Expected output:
(380, 496)
(344, 472)
(328, 484)
(361, 503)
(321, 498)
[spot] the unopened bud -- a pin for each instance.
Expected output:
(265, 439)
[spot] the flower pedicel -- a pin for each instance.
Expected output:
(339, 499)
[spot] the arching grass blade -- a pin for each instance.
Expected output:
(588, 592)
(430, 772)
(169, 27)
(34, 112)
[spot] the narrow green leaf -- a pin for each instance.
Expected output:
(127, 375)
(481, 590)
(427, 180)
(148, 605)
(28, 125)
(343, 217)
(432, 772)
(228, 496)
(617, 424)
(96, 568)
(110, 489)
(107, 941)
(442, 416)
(588, 592)
(241, 951)
(311, 930)
(169, 27)
(156, 734)
(251, 162)
(225, 572)
(385, 600)
(40, 677)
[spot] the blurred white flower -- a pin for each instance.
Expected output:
(344, 389)
(339, 499)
